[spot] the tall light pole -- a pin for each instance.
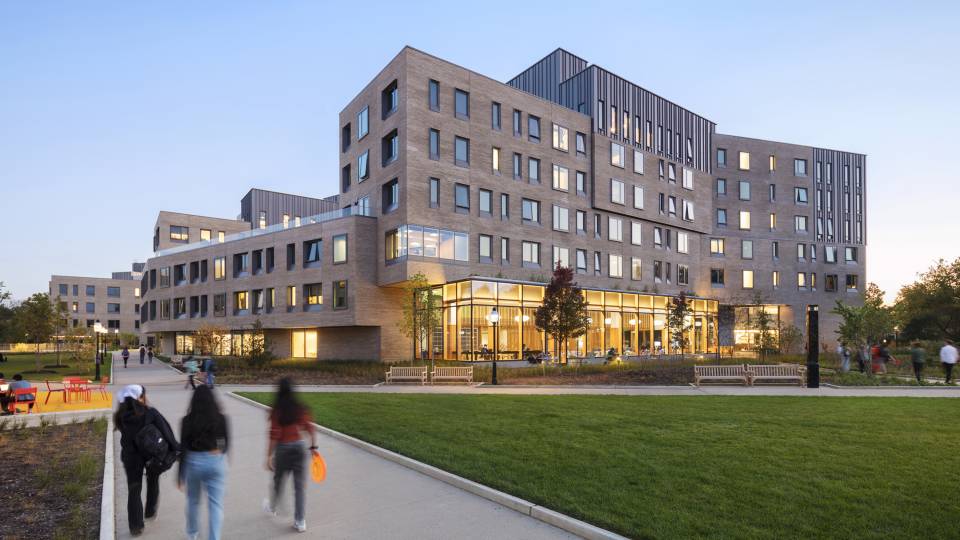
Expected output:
(813, 349)
(494, 320)
(97, 330)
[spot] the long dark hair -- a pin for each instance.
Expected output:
(130, 404)
(286, 408)
(204, 413)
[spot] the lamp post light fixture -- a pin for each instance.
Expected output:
(97, 330)
(494, 318)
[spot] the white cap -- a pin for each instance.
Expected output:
(131, 390)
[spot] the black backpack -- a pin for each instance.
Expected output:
(155, 449)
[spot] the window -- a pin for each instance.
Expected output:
(830, 282)
(687, 178)
(486, 247)
(560, 135)
(744, 190)
(672, 205)
(614, 229)
(799, 167)
(748, 279)
(164, 279)
(597, 226)
(505, 251)
(717, 246)
(389, 148)
(801, 280)
(291, 256)
(660, 168)
(241, 301)
(291, 296)
(721, 157)
(683, 274)
(221, 236)
(363, 123)
(601, 124)
(312, 296)
(561, 257)
(531, 253)
(716, 277)
(746, 249)
(597, 270)
(113, 308)
(531, 211)
(616, 266)
(687, 211)
(389, 99)
(219, 268)
(561, 218)
(581, 261)
(344, 182)
(636, 233)
(581, 182)
(636, 268)
(662, 199)
(495, 160)
(772, 189)
(486, 201)
(433, 88)
(517, 126)
(616, 191)
(340, 294)
(434, 192)
(345, 138)
(744, 161)
(517, 166)
(179, 276)
(561, 178)
(638, 197)
(461, 151)
(461, 104)
(111, 291)
(179, 234)
(672, 173)
(90, 307)
(638, 162)
(434, 144)
(581, 143)
(800, 223)
(63, 289)
(850, 254)
(581, 221)
(800, 195)
(304, 342)
(533, 128)
(773, 163)
(830, 254)
(533, 170)
(205, 234)
(658, 271)
(495, 116)
(312, 253)
(461, 197)
(744, 220)
(390, 196)
(617, 155)
(504, 206)
(363, 166)
(683, 242)
(340, 249)
(775, 249)
(773, 221)
(722, 217)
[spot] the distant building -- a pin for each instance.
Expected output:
(113, 301)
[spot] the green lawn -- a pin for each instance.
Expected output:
(24, 362)
(679, 466)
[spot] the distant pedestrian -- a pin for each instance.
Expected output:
(948, 357)
(885, 357)
(860, 358)
(150, 354)
(209, 368)
(844, 353)
(289, 420)
(126, 355)
(205, 440)
(135, 420)
(190, 367)
(485, 352)
(875, 360)
(918, 358)
(143, 354)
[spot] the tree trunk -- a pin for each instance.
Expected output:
(37, 357)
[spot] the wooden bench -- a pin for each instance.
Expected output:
(452, 374)
(176, 360)
(776, 373)
(407, 373)
(720, 373)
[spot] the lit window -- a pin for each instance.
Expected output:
(560, 134)
(744, 220)
(773, 221)
(636, 269)
(496, 160)
(801, 280)
(182, 234)
(748, 279)
(744, 161)
(313, 294)
(205, 234)
(773, 163)
(776, 278)
(852, 282)
(716, 246)
(616, 266)
(340, 249)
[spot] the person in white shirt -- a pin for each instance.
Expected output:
(948, 357)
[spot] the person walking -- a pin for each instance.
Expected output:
(143, 354)
(948, 357)
(190, 367)
(860, 358)
(289, 420)
(150, 354)
(885, 357)
(205, 440)
(918, 358)
(133, 416)
(126, 355)
(209, 367)
(844, 353)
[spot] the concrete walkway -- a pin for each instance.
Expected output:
(364, 496)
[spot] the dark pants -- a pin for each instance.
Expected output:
(134, 468)
(918, 370)
(142, 355)
(948, 371)
(190, 381)
(125, 358)
(290, 457)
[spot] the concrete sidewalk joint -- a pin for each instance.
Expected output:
(540, 513)
(107, 508)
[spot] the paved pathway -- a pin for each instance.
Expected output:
(364, 496)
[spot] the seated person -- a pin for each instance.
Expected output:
(17, 384)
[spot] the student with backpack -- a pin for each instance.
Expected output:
(209, 368)
(126, 355)
(205, 441)
(147, 445)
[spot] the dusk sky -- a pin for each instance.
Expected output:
(110, 112)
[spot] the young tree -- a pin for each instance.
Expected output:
(209, 338)
(8, 327)
(63, 320)
(259, 348)
(930, 307)
(563, 313)
(867, 323)
(421, 312)
(79, 344)
(790, 338)
(678, 322)
(37, 320)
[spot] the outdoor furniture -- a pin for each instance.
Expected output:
(176, 360)
(51, 389)
(78, 388)
(15, 401)
(407, 373)
(721, 373)
(452, 374)
(777, 373)
(102, 386)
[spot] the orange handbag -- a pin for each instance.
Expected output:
(318, 467)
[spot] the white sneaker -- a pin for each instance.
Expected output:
(300, 526)
(267, 508)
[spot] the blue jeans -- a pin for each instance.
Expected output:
(206, 470)
(210, 379)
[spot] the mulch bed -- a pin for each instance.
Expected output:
(52, 480)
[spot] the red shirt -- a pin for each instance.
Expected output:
(290, 433)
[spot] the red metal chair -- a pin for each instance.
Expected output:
(102, 387)
(51, 390)
(77, 387)
(16, 401)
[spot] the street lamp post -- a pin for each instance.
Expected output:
(97, 330)
(813, 349)
(495, 319)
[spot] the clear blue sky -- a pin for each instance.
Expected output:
(110, 112)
